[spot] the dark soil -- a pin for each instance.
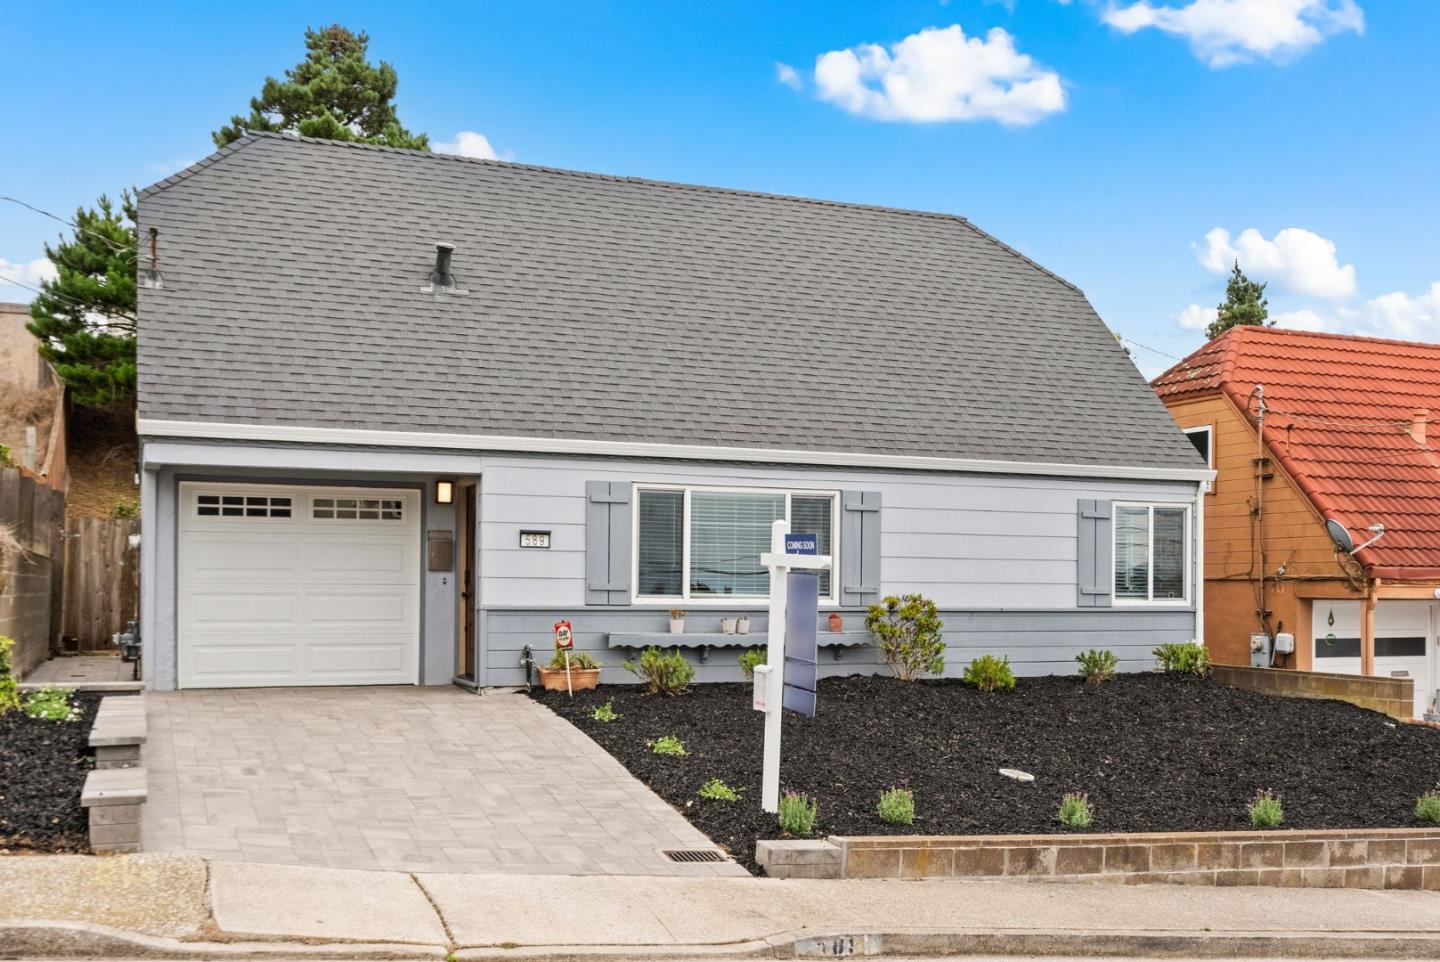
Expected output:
(43, 765)
(1154, 752)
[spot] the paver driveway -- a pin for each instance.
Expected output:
(410, 779)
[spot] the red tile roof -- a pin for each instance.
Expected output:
(1339, 416)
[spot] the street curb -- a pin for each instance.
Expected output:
(82, 940)
(79, 940)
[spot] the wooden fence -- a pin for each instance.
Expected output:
(102, 580)
(30, 596)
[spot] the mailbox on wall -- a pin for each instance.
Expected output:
(440, 550)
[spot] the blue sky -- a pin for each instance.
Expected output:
(1108, 140)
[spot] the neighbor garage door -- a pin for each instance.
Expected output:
(283, 585)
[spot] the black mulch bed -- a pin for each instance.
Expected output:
(1154, 752)
(43, 765)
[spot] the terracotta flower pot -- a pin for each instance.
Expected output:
(582, 679)
(836, 622)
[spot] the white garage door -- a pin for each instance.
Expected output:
(298, 586)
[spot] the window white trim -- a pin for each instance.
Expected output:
(1188, 554)
(714, 601)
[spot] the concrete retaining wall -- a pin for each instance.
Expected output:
(1400, 858)
(1393, 696)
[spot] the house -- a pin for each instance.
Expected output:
(402, 412)
(1346, 439)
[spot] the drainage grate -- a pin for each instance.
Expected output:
(693, 855)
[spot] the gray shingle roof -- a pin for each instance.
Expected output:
(611, 308)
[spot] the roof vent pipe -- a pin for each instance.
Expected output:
(440, 278)
(1419, 420)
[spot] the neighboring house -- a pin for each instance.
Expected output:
(32, 401)
(366, 462)
(1346, 437)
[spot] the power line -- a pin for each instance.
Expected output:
(117, 248)
(1145, 347)
(43, 293)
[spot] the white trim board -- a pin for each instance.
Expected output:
(297, 434)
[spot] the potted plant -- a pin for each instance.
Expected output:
(677, 621)
(584, 672)
(742, 625)
(836, 622)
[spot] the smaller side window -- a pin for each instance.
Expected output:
(1204, 440)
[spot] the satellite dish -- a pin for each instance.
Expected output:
(1339, 535)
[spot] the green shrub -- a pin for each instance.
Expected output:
(1427, 807)
(1075, 811)
(1265, 809)
(52, 704)
(798, 813)
(907, 632)
(1097, 666)
(1183, 657)
(664, 673)
(125, 509)
(989, 673)
(605, 713)
(579, 660)
(897, 806)
(667, 745)
(751, 658)
(9, 690)
(717, 791)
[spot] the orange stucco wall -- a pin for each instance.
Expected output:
(1294, 536)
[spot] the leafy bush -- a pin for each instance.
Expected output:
(9, 690)
(1183, 657)
(664, 673)
(667, 745)
(798, 813)
(907, 632)
(606, 712)
(52, 704)
(1427, 807)
(125, 509)
(717, 791)
(989, 673)
(1265, 809)
(1075, 811)
(579, 660)
(750, 658)
(1097, 666)
(897, 806)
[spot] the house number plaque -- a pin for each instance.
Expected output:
(534, 539)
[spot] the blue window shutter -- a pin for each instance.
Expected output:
(607, 542)
(1096, 575)
(859, 547)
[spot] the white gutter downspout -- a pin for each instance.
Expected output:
(1200, 491)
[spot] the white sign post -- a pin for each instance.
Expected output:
(773, 680)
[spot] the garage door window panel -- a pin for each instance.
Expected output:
(241, 506)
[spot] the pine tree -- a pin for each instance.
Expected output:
(85, 317)
(334, 94)
(1244, 303)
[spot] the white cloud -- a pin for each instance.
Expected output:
(468, 143)
(1399, 315)
(1227, 32)
(938, 75)
(1298, 260)
(1301, 320)
(1195, 317)
(788, 76)
(28, 273)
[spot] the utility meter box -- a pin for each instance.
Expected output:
(1260, 650)
(1284, 643)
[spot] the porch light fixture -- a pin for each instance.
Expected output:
(444, 492)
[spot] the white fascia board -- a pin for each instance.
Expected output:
(295, 434)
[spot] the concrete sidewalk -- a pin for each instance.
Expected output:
(182, 907)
